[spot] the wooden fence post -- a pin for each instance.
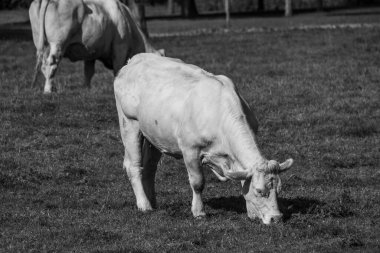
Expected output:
(320, 5)
(227, 10)
(170, 7)
(260, 5)
(189, 9)
(288, 8)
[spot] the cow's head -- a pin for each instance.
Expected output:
(260, 190)
(260, 187)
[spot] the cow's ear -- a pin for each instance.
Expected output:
(286, 165)
(237, 175)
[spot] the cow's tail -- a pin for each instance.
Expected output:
(37, 67)
(41, 39)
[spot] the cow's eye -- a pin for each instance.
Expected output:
(270, 183)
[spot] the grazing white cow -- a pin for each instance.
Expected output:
(167, 106)
(86, 30)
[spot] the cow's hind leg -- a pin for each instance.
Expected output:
(132, 164)
(150, 158)
(89, 71)
(49, 65)
(132, 140)
(197, 182)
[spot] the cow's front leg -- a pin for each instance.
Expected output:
(150, 158)
(197, 182)
(89, 70)
(50, 65)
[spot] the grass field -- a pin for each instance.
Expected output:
(316, 94)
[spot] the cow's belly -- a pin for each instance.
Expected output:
(78, 52)
(161, 131)
(160, 122)
(165, 145)
(157, 122)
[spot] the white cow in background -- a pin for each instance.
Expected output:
(167, 106)
(86, 30)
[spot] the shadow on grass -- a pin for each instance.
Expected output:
(298, 206)
(234, 204)
(288, 207)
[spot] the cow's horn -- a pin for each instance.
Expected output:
(219, 176)
(237, 175)
(286, 165)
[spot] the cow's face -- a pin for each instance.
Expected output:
(260, 190)
(260, 186)
(260, 193)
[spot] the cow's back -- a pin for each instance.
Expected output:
(166, 83)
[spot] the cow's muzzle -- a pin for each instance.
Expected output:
(272, 218)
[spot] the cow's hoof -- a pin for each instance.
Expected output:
(200, 215)
(144, 207)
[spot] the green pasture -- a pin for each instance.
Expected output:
(315, 93)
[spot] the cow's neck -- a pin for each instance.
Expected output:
(242, 142)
